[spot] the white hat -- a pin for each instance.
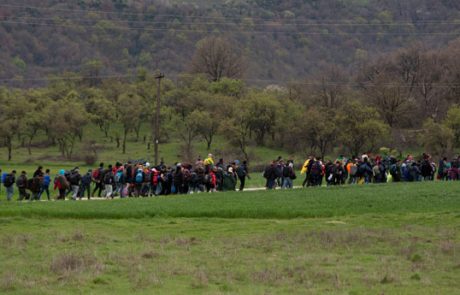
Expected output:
(147, 164)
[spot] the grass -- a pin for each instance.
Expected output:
(307, 203)
(385, 239)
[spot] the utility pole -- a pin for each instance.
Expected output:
(156, 137)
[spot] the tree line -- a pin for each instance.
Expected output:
(402, 100)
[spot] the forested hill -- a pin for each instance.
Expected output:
(280, 39)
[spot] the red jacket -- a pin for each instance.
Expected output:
(213, 179)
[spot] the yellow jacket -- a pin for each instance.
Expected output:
(208, 161)
(304, 167)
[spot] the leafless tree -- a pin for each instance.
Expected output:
(390, 83)
(431, 91)
(217, 57)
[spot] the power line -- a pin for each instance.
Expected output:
(157, 15)
(232, 31)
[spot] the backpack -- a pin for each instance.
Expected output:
(73, 179)
(97, 174)
(139, 177)
(4, 175)
(267, 172)
(353, 170)
(118, 176)
(241, 172)
(363, 169)
(316, 168)
(393, 169)
(21, 182)
(108, 179)
(286, 171)
(279, 171)
(8, 180)
(63, 182)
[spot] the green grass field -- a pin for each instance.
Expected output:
(377, 239)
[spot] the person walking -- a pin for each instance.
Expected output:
(74, 180)
(306, 169)
(119, 179)
(61, 183)
(242, 171)
(108, 183)
(35, 186)
(270, 176)
(21, 183)
(288, 175)
(8, 183)
(85, 185)
(97, 179)
(45, 185)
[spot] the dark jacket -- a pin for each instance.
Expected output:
(21, 182)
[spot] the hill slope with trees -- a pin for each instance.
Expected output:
(279, 40)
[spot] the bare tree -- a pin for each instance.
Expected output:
(331, 86)
(217, 58)
(430, 95)
(390, 84)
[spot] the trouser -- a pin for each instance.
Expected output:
(306, 180)
(35, 196)
(287, 183)
(271, 183)
(242, 182)
(125, 190)
(137, 189)
(44, 188)
(279, 181)
(98, 188)
(118, 188)
(61, 194)
(108, 191)
(75, 189)
(23, 194)
(9, 193)
(352, 180)
(84, 188)
(153, 190)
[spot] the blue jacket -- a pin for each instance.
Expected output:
(46, 180)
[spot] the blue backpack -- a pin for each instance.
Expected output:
(139, 177)
(118, 176)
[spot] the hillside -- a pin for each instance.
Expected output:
(280, 40)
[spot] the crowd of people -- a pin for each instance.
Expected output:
(133, 179)
(377, 169)
(140, 179)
